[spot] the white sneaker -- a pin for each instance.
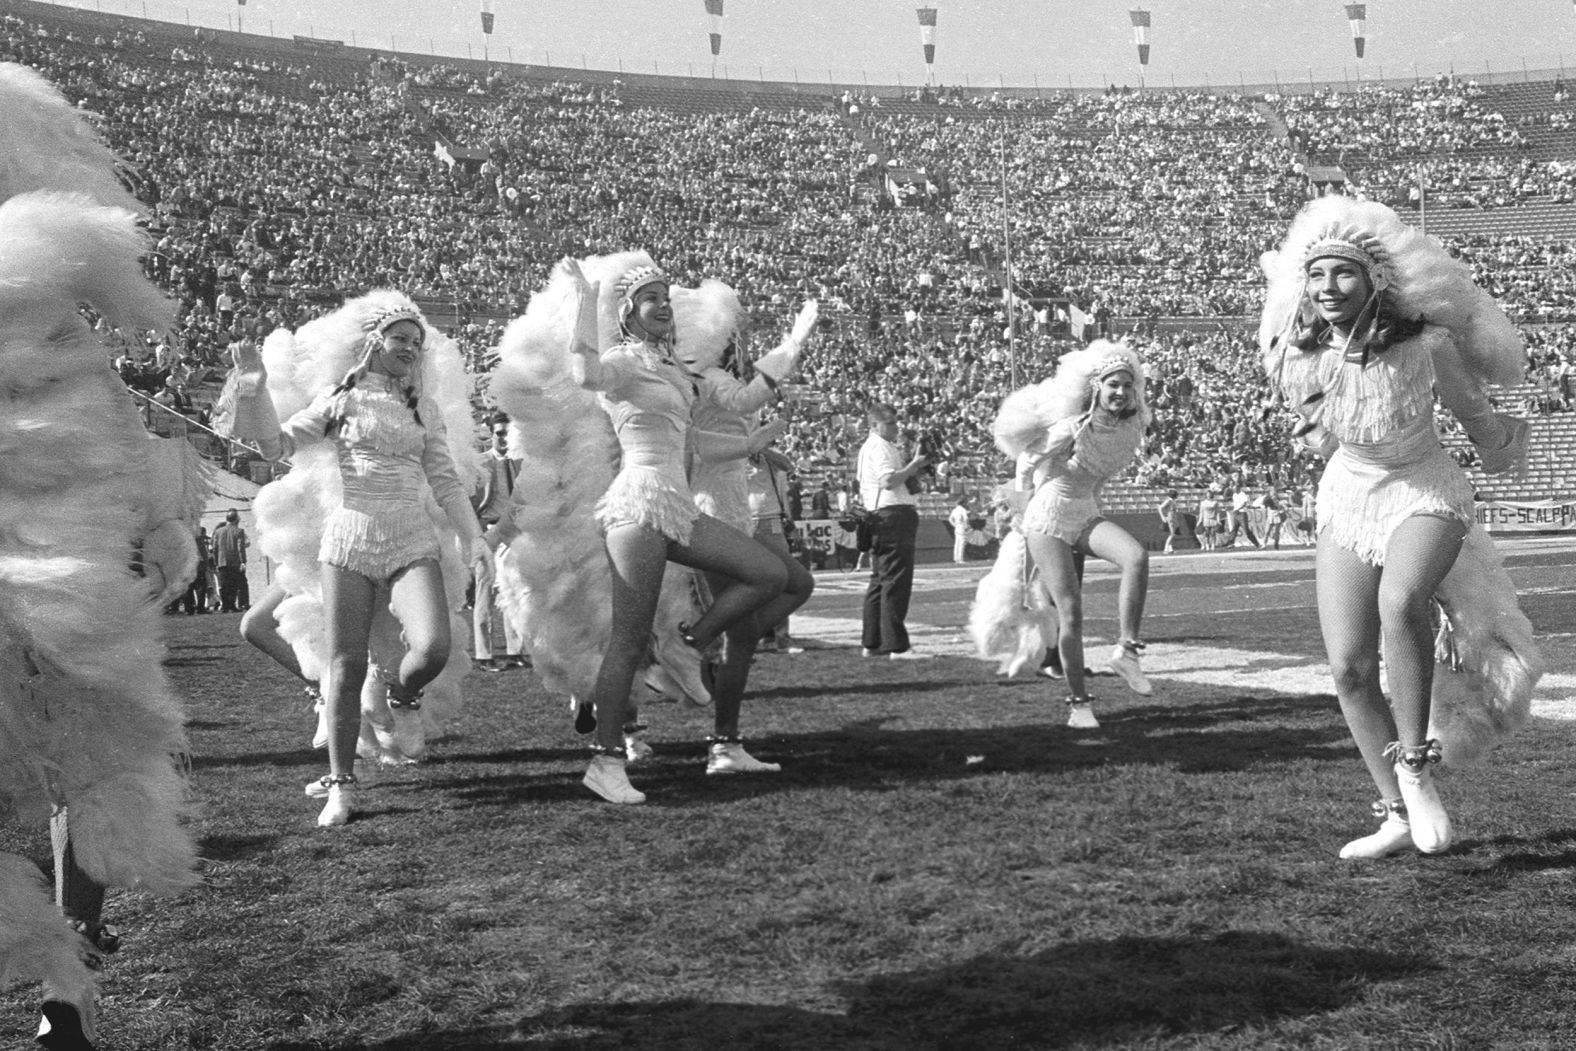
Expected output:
(606, 777)
(1424, 810)
(1393, 836)
(1124, 662)
(908, 655)
(729, 757)
(1081, 717)
(341, 804)
(866, 651)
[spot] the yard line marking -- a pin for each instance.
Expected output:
(1241, 670)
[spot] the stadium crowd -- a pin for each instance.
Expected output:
(277, 186)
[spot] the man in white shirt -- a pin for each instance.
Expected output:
(884, 474)
(958, 519)
(492, 503)
(1240, 501)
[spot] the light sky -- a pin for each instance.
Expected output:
(1019, 43)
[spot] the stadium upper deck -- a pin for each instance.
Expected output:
(288, 173)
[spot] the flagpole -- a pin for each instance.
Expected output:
(1006, 241)
(1422, 201)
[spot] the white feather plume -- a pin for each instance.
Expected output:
(1489, 696)
(36, 944)
(46, 143)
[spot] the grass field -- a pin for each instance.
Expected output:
(940, 865)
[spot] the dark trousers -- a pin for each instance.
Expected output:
(893, 531)
(232, 581)
(1239, 522)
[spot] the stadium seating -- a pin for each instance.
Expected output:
(286, 174)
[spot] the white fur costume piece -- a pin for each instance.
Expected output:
(87, 717)
(1484, 693)
(1011, 620)
(292, 510)
(554, 583)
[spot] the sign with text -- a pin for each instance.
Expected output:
(1537, 516)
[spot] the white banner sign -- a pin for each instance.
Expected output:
(1539, 516)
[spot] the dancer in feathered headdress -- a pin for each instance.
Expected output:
(368, 518)
(88, 724)
(709, 326)
(1081, 427)
(606, 325)
(1365, 320)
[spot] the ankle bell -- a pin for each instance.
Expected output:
(1416, 758)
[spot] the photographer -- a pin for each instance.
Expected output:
(887, 484)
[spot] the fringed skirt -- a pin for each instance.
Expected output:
(655, 497)
(1367, 492)
(378, 545)
(1066, 517)
(722, 492)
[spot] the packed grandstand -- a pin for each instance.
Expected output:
(284, 175)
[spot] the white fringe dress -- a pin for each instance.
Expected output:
(651, 399)
(1082, 453)
(386, 462)
(1389, 465)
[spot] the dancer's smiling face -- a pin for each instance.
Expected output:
(399, 350)
(1115, 392)
(1338, 289)
(650, 314)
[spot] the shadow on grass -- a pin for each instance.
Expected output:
(1085, 993)
(864, 755)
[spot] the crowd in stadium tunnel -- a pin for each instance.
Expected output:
(278, 188)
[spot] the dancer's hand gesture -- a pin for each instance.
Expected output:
(587, 329)
(804, 324)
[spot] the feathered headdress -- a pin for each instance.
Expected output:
(1411, 273)
(1027, 413)
(706, 321)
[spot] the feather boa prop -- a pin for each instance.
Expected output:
(554, 583)
(290, 511)
(49, 146)
(1425, 282)
(1483, 688)
(34, 944)
(1012, 621)
(87, 717)
(705, 320)
(1029, 412)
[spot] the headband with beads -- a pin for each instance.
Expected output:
(381, 320)
(1356, 246)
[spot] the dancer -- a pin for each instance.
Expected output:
(645, 510)
(1084, 424)
(390, 442)
(88, 722)
(1365, 320)
(708, 322)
